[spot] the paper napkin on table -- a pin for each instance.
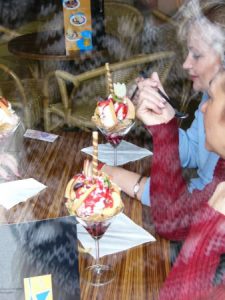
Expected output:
(126, 152)
(121, 235)
(14, 192)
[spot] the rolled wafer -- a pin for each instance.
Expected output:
(95, 153)
(109, 79)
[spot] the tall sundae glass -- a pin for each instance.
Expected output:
(114, 116)
(95, 202)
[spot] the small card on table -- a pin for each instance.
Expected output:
(40, 135)
(38, 287)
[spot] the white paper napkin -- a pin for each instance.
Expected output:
(121, 235)
(126, 152)
(14, 192)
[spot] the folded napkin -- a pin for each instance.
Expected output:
(126, 152)
(121, 235)
(14, 192)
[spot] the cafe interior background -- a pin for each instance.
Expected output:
(44, 82)
(120, 31)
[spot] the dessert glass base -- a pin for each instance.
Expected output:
(97, 274)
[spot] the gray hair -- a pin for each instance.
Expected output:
(209, 17)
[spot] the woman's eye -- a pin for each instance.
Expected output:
(196, 56)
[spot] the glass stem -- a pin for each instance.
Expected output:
(97, 251)
(115, 156)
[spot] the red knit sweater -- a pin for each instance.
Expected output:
(180, 215)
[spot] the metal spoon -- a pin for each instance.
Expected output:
(178, 114)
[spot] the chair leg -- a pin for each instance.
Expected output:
(46, 120)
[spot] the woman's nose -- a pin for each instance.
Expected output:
(187, 63)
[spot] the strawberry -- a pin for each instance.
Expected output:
(4, 101)
(104, 102)
(121, 110)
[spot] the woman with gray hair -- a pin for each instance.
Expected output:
(196, 218)
(204, 29)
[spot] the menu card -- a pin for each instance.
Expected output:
(39, 259)
(77, 25)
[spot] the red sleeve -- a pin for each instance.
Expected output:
(193, 274)
(173, 208)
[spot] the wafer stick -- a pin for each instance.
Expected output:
(109, 79)
(95, 153)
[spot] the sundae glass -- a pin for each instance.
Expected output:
(95, 202)
(114, 116)
(98, 274)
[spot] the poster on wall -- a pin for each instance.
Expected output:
(77, 25)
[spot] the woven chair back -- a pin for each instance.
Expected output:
(78, 94)
(125, 23)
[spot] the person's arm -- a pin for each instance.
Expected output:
(195, 272)
(126, 180)
(173, 207)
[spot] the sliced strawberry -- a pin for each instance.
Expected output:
(104, 102)
(121, 110)
(4, 101)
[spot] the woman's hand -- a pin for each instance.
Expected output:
(151, 108)
(217, 201)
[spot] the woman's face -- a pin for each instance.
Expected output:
(202, 61)
(214, 116)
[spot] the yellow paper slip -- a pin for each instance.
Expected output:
(38, 288)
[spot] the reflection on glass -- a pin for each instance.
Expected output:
(39, 248)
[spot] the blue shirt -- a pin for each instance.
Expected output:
(193, 154)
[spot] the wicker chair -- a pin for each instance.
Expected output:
(24, 95)
(125, 23)
(75, 100)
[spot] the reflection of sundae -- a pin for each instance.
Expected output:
(72, 35)
(116, 112)
(71, 4)
(8, 119)
(93, 198)
(78, 19)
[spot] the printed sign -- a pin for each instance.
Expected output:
(38, 288)
(40, 135)
(77, 25)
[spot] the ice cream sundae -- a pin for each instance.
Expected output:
(116, 112)
(93, 198)
(8, 119)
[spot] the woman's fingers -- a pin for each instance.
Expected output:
(147, 112)
(155, 78)
(150, 113)
(150, 94)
